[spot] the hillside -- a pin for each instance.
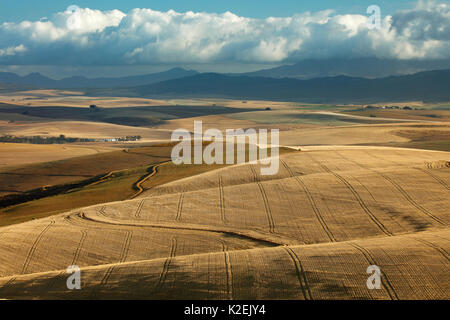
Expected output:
(427, 86)
(309, 232)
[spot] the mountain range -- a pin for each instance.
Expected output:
(41, 81)
(306, 69)
(288, 83)
(356, 67)
(426, 86)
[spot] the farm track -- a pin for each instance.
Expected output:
(222, 201)
(435, 247)
(438, 180)
(34, 247)
(302, 279)
(361, 202)
(166, 265)
(402, 191)
(138, 184)
(103, 178)
(228, 270)
(371, 260)
(311, 202)
(123, 257)
(137, 214)
(79, 247)
(179, 207)
(412, 201)
(265, 200)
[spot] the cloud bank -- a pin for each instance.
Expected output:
(144, 36)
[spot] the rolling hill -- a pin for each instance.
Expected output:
(309, 232)
(427, 86)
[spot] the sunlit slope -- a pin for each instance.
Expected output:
(317, 196)
(375, 134)
(413, 267)
(309, 232)
(16, 154)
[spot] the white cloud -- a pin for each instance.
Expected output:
(12, 51)
(145, 36)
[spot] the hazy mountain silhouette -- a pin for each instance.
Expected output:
(37, 79)
(178, 82)
(427, 86)
(359, 67)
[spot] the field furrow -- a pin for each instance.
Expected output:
(34, 247)
(311, 202)
(361, 202)
(265, 200)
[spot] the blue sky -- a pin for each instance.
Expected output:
(13, 11)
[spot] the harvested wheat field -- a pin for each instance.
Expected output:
(14, 154)
(89, 130)
(309, 232)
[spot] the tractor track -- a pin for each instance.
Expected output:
(435, 247)
(34, 247)
(403, 192)
(228, 270)
(371, 260)
(137, 214)
(302, 279)
(167, 262)
(179, 207)
(312, 202)
(123, 257)
(361, 202)
(436, 178)
(265, 200)
(79, 247)
(222, 200)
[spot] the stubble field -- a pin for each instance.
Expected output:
(310, 232)
(351, 192)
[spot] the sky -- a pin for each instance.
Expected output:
(114, 38)
(14, 11)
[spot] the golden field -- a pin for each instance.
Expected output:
(308, 232)
(351, 191)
